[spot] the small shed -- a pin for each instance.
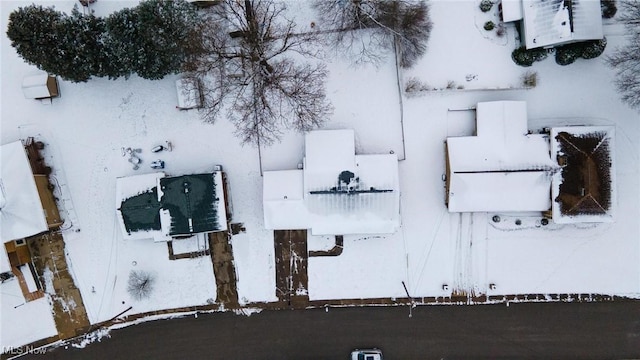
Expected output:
(189, 94)
(40, 86)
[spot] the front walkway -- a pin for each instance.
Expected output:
(291, 256)
(223, 269)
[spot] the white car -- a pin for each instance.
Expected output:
(366, 354)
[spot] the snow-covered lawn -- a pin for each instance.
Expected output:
(462, 55)
(23, 322)
(86, 128)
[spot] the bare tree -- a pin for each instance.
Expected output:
(366, 29)
(249, 61)
(626, 60)
(140, 284)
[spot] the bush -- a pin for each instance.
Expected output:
(140, 284)
(567, 54)
(486, 5)
(608, 8)
(414, 85)
(489, 25)
(524, 57)
(530, 79)
(593, 49)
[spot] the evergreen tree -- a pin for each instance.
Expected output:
(153, 38)
(60, 44)
(121, 29)
(33, 33)
(80, 43)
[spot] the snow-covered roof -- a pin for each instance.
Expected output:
(511, 10)
(337, 192)
(502, 142)
(500, 191)
(283, 196)
(144, 215)
(550, 22)
(188, 91)
(192, 204)
(502, 163)
(159, 207)
(21, 212)
(35, 86)
(589, 196)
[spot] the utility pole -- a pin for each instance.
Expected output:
(410, 298)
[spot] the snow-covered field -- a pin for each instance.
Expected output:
(23, 322)
(86, 128)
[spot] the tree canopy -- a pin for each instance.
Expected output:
(626, 60)
(365, 29)
(246, 64)
(150, 40)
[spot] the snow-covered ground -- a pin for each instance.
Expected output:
(86, 128)
(23, 322)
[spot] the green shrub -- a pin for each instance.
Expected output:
(593, 49)
(486, 5)
(608, 8)
(567, 54)
(489, 25)
(530, 79)
(524, 57)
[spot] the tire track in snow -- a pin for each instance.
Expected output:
(463, 270)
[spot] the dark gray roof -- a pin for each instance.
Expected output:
(192, 203)
(141, 212)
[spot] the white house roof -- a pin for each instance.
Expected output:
(500, 191)
(501, 164)
(587, 20)
(511, 10)
(327, 152)
(188, 93)
(550, 22)
(283, 199)
(21, 212)
(337, 192)
(603, 156)
(35, 86)
(502, 142)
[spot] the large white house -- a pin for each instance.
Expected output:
(336, 192)
(502, 167)
(546, 23)
(566, 171)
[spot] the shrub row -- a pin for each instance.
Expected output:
(565, 54)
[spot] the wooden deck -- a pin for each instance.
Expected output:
(28, 295)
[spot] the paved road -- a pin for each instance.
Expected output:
(547, 330)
